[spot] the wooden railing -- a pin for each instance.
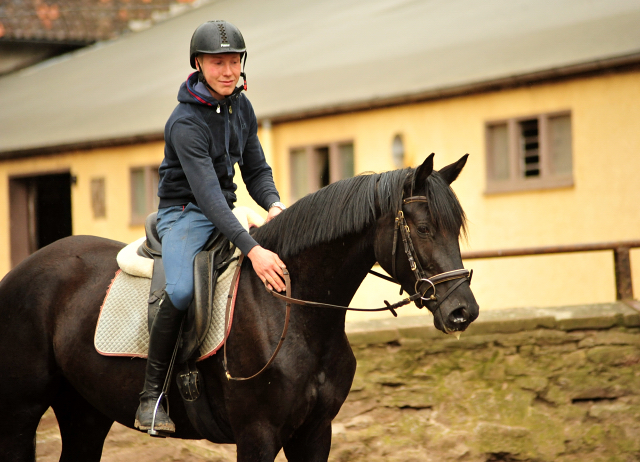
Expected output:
(622, 262)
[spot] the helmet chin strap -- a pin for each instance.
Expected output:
(237, 90)
(243, 74)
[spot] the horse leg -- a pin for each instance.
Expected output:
(309, 448)
(83, 428)
(257, 444)
(18, 431)
(27, 387)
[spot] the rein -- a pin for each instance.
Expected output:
(422, 287)
(230, 300)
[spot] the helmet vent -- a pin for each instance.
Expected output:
(224, 41)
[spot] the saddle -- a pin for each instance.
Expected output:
(215, 257)
(210, 263)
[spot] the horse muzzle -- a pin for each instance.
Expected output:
(456, 319)
(454, 310)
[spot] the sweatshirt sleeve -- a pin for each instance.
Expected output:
(191, 143)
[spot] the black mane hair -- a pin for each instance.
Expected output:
(349, 206)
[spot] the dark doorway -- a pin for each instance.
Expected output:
(40, 212)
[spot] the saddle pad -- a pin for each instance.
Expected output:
(122, 326)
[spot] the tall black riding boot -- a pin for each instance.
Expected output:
(162, 341)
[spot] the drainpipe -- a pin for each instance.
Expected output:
(266, 140)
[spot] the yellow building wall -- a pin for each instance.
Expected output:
(603, 204)
(112, 164)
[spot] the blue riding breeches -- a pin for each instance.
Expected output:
(183, 230)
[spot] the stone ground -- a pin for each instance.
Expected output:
(542, 394)
(538, 396)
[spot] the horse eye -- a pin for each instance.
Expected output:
(422, 229)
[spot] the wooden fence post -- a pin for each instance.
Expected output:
(624, 284)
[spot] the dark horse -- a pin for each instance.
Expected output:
(49, 305)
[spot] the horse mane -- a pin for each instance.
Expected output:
(349, 206)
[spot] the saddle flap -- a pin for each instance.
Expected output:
(198, 319)
(207, 267)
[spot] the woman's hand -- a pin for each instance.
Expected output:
(268, 267)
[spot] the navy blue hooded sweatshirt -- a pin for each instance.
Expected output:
(204, 139)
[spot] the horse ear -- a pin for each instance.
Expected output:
(423, 172)
(451, 172)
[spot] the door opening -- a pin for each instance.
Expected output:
(40, 212)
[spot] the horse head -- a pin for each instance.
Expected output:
(419, 246)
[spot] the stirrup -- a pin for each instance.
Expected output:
(152, 431)
(165, 390)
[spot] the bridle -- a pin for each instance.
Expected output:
(423, 283)
(422, 287)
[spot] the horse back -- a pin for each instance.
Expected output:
(57, 282)
(48, 307)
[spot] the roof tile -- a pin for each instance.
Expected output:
(77, 21)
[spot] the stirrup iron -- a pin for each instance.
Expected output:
(165, 391)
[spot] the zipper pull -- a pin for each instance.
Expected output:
(218, 109)
(230, 110)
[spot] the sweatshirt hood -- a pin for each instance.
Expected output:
(194, 92)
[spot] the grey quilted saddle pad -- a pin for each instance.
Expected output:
(122, 326)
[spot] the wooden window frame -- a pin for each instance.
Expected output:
(335, 164)
(151, 192)
(516, 181)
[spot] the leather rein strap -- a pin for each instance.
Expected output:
(438, 279)
(230, 299)
(401, 227)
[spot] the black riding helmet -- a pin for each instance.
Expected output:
(215, 37)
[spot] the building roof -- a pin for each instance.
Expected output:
(77, 21)
(310, 58)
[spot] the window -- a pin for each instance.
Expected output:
(144, 193)
(98, 198)
(529, 153)
(397, 151)
(314, 167)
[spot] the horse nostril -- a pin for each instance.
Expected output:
(459, 316)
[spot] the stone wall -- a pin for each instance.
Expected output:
(557, 385)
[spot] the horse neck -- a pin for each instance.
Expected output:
(332, 272)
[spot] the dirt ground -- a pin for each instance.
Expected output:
(126, 445)
(348, 445)
(543, 395)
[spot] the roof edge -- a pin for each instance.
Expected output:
(82, 146)
(624, 63)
